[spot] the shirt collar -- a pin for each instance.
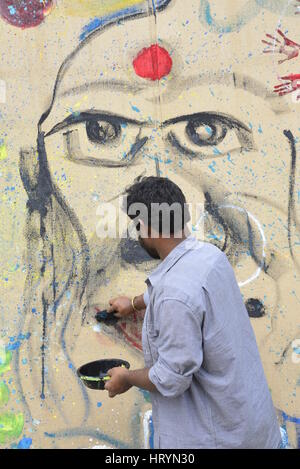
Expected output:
(189, 243)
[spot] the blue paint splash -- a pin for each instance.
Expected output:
(288, 418)
(247, 12)
(25, 443)
(15, 342)
(212, 166)
(100, 23)
(88, 432)
(12, 9)
(135, 109)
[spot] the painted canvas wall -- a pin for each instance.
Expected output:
(93, 94)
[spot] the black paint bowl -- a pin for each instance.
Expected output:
(94, 374)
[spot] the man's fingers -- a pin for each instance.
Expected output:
(114, 309)
(112, 306)
(110, 392)
(107, 387)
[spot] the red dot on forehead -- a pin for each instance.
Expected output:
(153, 62)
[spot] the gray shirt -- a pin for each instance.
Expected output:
(201, 350)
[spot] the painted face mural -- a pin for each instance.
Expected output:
(190, 93)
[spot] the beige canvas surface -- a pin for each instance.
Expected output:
(242, 166)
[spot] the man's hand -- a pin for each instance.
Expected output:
(118, 384)
(122, 305)
(123, 379)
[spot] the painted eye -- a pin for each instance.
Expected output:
(102, 143)
(208, 135)
(96, 139)
(102, 132)
(205, 133)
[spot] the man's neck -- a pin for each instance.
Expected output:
(166, 245)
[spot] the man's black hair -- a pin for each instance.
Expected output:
(158, 190)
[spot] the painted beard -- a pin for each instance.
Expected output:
(151, 251)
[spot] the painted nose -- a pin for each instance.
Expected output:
(157, 158)
(147, 164)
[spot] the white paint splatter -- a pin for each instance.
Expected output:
(97, 328)
(264, 242)
(146, 425)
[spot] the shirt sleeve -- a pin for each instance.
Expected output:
(180, 353)
(146, 297)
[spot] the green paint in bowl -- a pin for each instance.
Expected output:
(94, 374)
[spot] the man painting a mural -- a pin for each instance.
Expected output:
(202, 363)
(204, 95)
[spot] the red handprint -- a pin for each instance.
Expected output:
(291, 84)
(287, 47)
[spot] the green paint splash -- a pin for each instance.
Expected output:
(11, 426)
(4, 394)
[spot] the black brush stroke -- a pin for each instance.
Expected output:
(291, 202)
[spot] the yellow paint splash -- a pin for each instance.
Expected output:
(3, 152)
(90, 8)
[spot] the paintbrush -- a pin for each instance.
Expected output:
(106, 317)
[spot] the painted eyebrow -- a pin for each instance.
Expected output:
(96, 116)
(230, 79)
(118, 85)
(241, 82)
